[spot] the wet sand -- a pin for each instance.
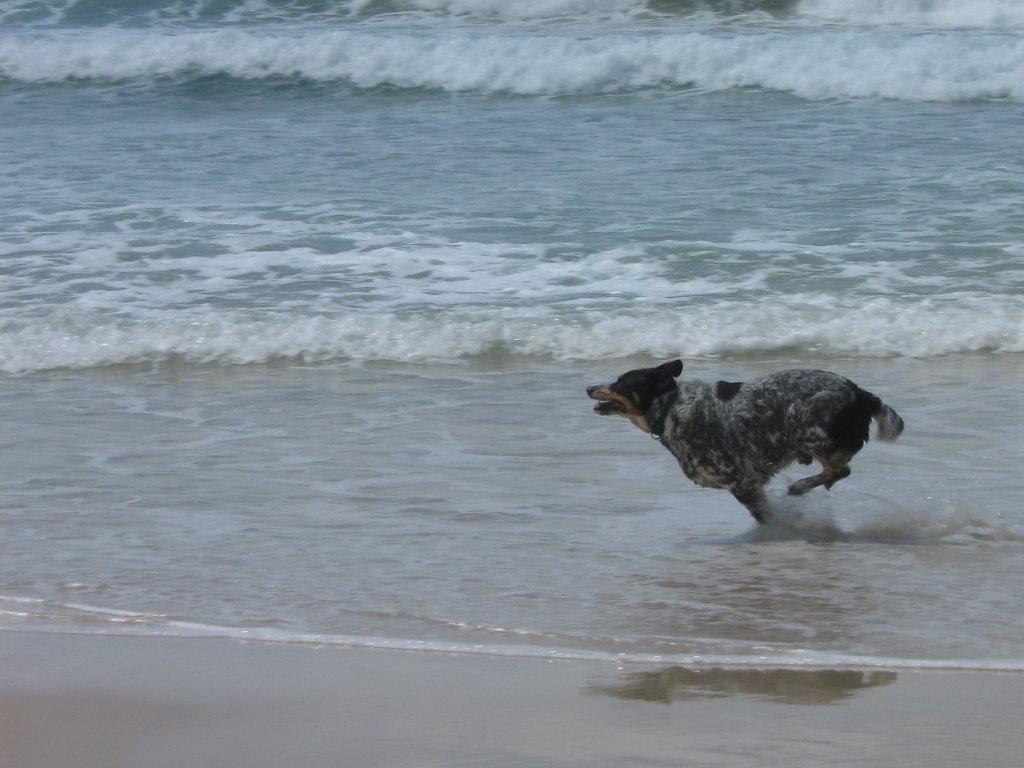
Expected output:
(120, 702)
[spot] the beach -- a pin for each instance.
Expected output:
(110, 702)
(299, 305)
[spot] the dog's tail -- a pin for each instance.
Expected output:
(890, 425)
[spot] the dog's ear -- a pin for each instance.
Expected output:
(673, 369)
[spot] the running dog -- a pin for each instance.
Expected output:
(737, 435)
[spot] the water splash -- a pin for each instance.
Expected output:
(862, 517)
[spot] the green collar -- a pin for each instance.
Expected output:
(658, 427)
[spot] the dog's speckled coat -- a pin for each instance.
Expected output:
(736, 436)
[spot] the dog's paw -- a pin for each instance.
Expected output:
(800, 487)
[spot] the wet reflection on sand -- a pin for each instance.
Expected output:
(782, 686)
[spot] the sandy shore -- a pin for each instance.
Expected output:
(113, 702)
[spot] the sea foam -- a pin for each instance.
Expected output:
(820, 326)
(811, 64)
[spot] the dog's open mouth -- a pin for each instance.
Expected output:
(605, 406)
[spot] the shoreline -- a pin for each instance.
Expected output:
(805, 661)
(144, 702)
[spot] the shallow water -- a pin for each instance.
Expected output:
(483, 508)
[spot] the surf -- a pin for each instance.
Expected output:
(809, 64)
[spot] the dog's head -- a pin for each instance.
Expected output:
(633, 392)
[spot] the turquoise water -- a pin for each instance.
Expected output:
(299, 302)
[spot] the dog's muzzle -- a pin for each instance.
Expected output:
(606, 405)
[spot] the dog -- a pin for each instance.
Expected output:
(738, 435)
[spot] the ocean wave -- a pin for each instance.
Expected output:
(818, 325)
(134, 12)
(95, 13)
(811, 64)
(953, 14)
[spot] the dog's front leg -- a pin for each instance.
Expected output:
(755, 502)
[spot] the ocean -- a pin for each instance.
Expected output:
(299, 300)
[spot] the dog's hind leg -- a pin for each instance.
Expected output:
(831, 473)
(755, 502)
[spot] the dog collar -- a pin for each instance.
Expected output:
(658, 428)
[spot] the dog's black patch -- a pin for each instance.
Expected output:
(726, 390)
(850, 427)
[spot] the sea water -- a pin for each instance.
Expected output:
(299, 300)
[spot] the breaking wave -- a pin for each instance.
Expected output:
(813, 325)
(814, 64)
(814, 49)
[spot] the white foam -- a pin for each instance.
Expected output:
(818, 324)
(85, 621)
(863, 516)
(813, 64)
(414, 296)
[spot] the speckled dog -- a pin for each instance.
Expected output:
(736, 435)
